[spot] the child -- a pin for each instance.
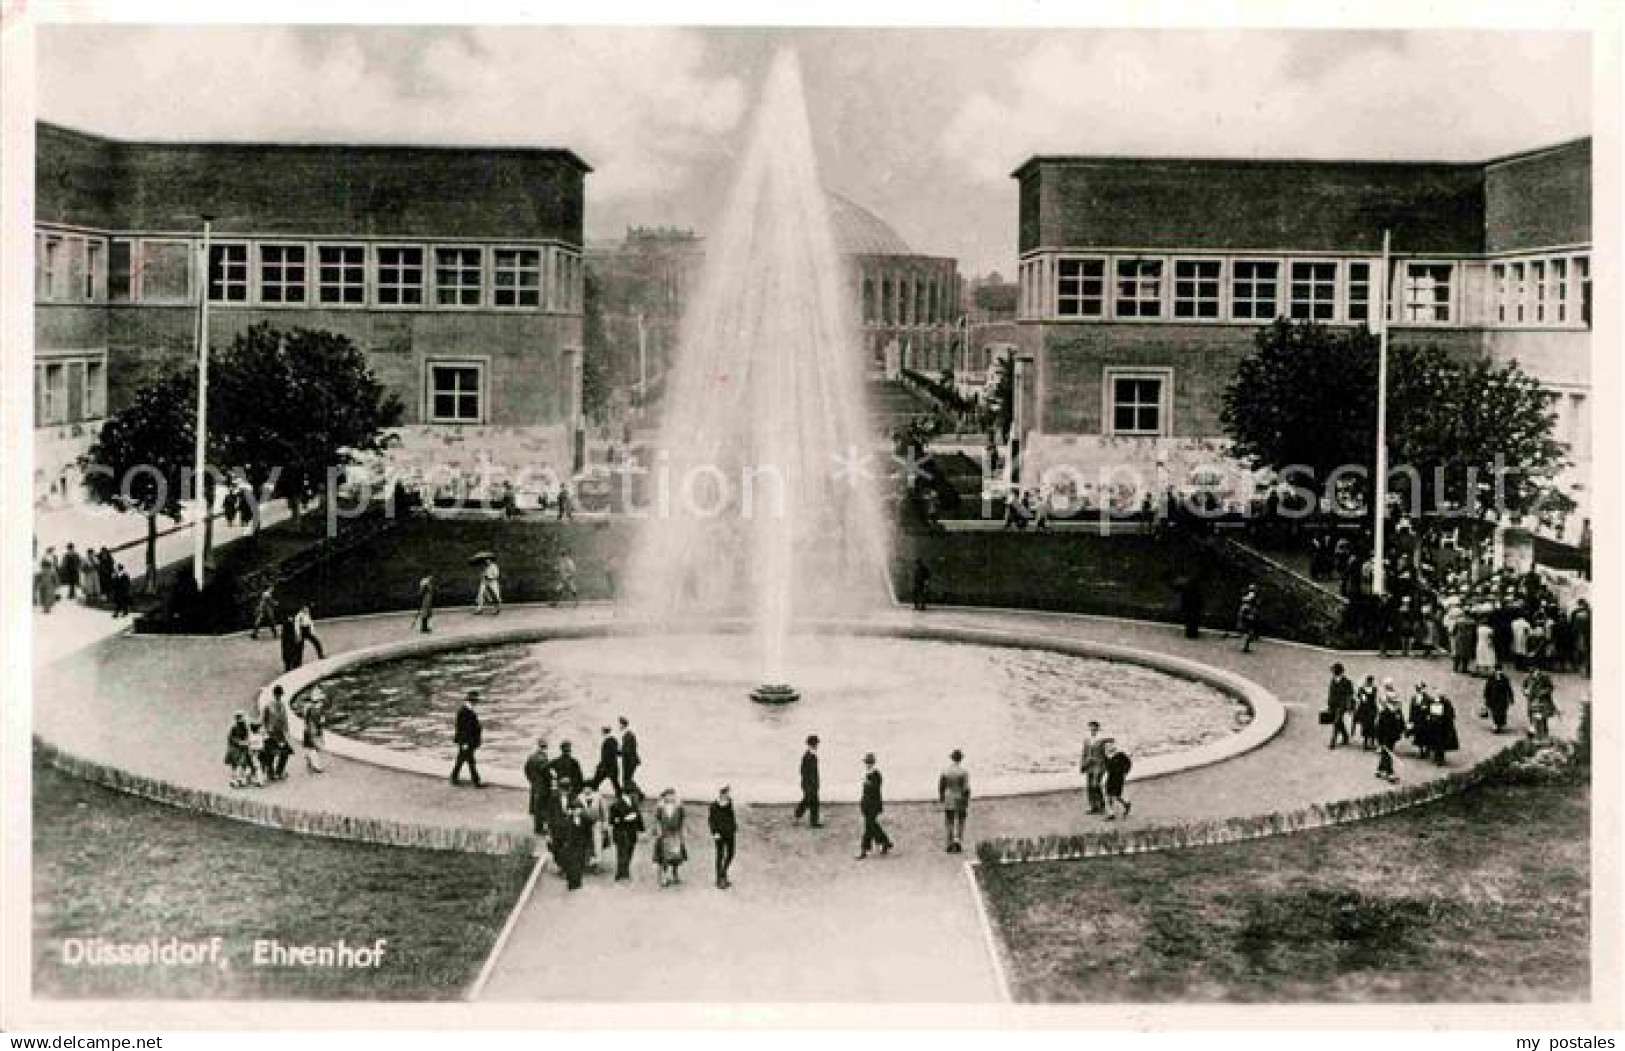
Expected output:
(1118, 765)
(237, 757)
(256, 752)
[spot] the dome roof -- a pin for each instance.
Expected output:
(858, 231)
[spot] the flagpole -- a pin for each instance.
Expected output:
(1378, 569)
(201, 427)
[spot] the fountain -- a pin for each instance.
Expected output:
(772, 511)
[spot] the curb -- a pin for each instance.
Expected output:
(503, 935)
(324, 824)
(995, 950)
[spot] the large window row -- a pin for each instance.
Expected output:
(298, 273)
(906, 301)
(1549, 291)
(1239, 289)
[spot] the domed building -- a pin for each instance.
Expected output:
(909, 303)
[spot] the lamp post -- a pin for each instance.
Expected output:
(1378, 567)
(200, 459)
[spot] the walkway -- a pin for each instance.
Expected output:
(806, 922)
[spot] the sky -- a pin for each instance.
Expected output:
(921, 126)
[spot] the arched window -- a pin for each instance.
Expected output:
(868, 299)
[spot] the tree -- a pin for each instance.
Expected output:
(143, 458)
(285, 408)
(1306, 400)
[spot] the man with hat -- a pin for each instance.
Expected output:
(467, 738)
(539, 774)
(871, 805)
(1092, 765)
(566, 770)
(809, 784)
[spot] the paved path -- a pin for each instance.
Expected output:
(806, 922)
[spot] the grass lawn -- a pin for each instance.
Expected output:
(1484, 897)
(124, 869)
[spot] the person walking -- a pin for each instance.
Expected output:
(68, 571)
(1390, 730)
(1247, 619)
(1484, 658)
(238, 759)
(467, 735)
(592, 804)
(1463, 635)
(489, 595)
(1092, 765)
(1498, 698)
(567, 770)
(293, 647)
(1365, 712)
(1340, 705)
(1438, 730)
(564, 569)
(566, 504)
(809, 784)
(1540, 702)
(1118, 764)
(104, 571)
(277, 747)
(953, 792)
(630, 760)
(45, 584)
(315, 737)
(123, 590)
(724, 825)
(670, 850)
(871, 806)
(574, 843)
(626, 825)
(307, 630)
(90, 585)
(423, 619)
(921, 584)
(539, 775)
(609, 762)
(265, 612)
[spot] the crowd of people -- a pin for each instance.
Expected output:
(259, 745)
(93, 577)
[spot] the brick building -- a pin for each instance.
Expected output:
(1143, 281)
(457, 270)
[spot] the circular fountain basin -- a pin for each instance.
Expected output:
(1016, 705)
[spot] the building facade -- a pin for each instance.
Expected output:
(643, 283)
(458, 271)
(1143, 282)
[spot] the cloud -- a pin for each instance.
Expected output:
(1446, 95)
(640, 107)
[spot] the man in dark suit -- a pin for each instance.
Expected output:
(467, 739)
(809, 784)
(1340, 703)
(871, 806)
(609, 763)
(724, 826)
(539, 773)
(566, 770)
(630, 760)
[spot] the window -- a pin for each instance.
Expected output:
(51, 268)
(228, 274)
(1314, 291)
(1560, 291)
(120, 283)
(93, 270)
(1518, 290)
(95, 400)
(1499, 289)
(457, 276)
(455, 391)
(868, 299)
(1136, 402)
(1537, 291)
(1255, 289)
(400, 276)
(1582, 273)
(1359, 292)
(282, 273)
(1139, 288)
(1427, 292)
(1080, 288)
(1196, 288)
(516, 277)
(885, 301)
(341, 274)
(54, 408)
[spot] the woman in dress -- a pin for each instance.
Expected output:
(237, 758)
(670, 852)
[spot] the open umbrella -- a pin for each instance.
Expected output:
(482, 556)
